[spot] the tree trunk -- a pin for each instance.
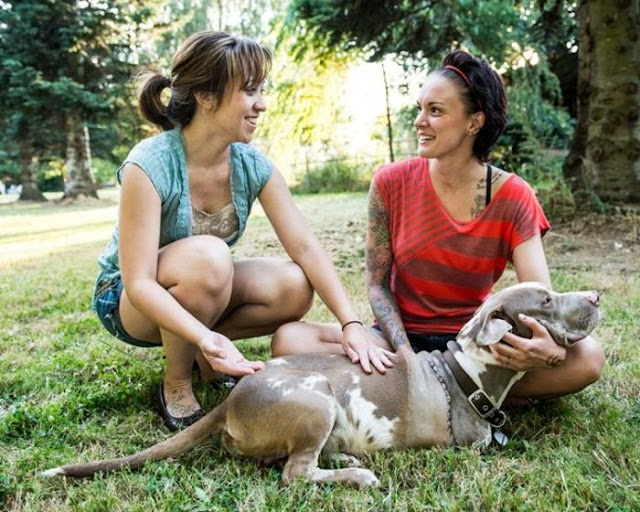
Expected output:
(30, 190)
(389, 124)
(79, 180)
(604, 161)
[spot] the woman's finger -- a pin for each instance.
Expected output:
(385, 357)
(374, 356)
(536, 327)
(365, 361)
(256, 365)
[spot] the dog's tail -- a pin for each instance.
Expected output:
(172, 447)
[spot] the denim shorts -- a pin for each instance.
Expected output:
(427, 342)
(107, 302)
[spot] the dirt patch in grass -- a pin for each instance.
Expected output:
(610, 244)
(606, 245)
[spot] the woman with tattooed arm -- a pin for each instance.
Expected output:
(442, 228)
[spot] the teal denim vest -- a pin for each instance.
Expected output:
(162, 158)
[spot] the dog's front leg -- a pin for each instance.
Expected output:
(311, 437)
(305, 464)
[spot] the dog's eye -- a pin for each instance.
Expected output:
(547, 300)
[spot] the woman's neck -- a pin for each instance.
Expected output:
(453, 172)
(204, 149)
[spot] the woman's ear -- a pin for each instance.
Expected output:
(476, 123)
(205, 99)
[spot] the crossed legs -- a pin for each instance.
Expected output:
(305, 337)
(582, 367)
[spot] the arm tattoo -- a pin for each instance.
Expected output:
(379, 258)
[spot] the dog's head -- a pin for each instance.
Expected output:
(569, 317)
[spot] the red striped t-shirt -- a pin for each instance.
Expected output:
(443, 269)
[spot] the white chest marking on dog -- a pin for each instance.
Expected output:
(475, 367)
(359, 430)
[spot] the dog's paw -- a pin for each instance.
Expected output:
(365, 478)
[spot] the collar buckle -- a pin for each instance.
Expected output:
(484, 408)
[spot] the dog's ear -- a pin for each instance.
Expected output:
(492, 331)
(486, 328)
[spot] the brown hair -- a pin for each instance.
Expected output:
(213, 62)
(481, 89)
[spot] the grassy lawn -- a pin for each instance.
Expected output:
(69, 392)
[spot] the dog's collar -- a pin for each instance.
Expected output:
(478, 399)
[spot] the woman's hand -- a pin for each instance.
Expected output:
(224, 357)
(360, 348)
(523, 354)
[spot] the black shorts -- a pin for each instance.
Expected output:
(428, 342)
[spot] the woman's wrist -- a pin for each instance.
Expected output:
(352, 322)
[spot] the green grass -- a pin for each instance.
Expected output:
(69, 392)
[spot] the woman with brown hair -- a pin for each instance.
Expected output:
(442, 228)
(167, 276)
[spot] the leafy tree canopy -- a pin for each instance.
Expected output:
(59, 56)
(423, 28)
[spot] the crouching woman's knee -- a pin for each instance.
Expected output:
(592, 360)
(285, 339)
(196, 270)
(295, 294)
(211, 263)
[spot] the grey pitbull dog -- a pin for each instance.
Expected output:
(302, 407)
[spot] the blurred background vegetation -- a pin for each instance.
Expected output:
(341, 94)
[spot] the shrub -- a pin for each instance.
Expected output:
(335, 175)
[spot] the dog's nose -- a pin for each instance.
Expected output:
(594, 298)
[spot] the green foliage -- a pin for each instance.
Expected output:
(537, 135)
(423, 29)
(535, 101)
(177, 20)
(304, 98)
(51, 176)
(104, 171)
(305, 109)
(335, 175)
(8, 166)
(553, 30)
(68, 54)
(60, 57)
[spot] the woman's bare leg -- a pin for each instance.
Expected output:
(306, 337)
(266, 293)
(582, 366)
(198, 272)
